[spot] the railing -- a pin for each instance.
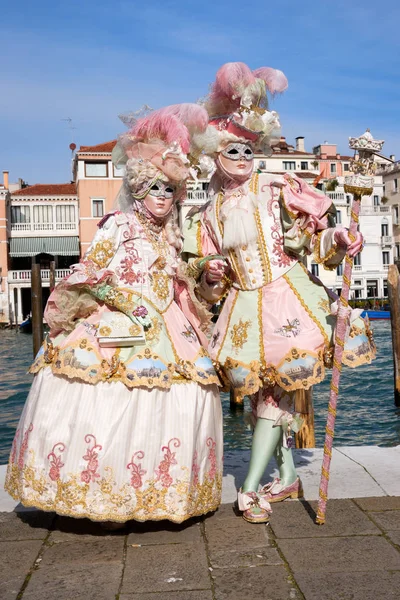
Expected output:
(43, 226)
(198, 195)
(357, 268)
(337, 197)
(385, 267)
(372, 210)
(24, 276)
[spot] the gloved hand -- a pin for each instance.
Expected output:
(215, 270)
(341, 237)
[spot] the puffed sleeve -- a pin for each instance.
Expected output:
(308, 220)
(198, 244)
(69, 301)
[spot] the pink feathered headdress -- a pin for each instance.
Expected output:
(238, 105)
(163, 138)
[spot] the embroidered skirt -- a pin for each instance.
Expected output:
(107, 452)
(282, 334)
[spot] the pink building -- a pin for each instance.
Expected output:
(331, 163)
(97, 182)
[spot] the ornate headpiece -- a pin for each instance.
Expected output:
(238, 107)
(158, 143)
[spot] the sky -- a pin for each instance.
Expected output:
(90, 61)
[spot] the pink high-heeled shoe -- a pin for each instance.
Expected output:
(255, 509)
(276, 492)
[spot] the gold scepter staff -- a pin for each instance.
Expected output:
(360, 183)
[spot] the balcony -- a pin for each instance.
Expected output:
(386, 240)
(35, 227)
(25, 276)
(196, 197)
(372, 210)
(337, 197)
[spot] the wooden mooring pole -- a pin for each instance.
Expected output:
(52, 275)
(394, 299)
(305, 438)
(37, 308)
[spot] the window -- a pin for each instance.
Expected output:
(372, 288)
(338, 217)
(42, 218)
(97, 207)
(385, 257)
(357, 282)
(119, 171)
(304, 165)
(397, 250)
(376, 201)
(20, 214)
(385, 288)
(396, 215)
(346, 167)
(395, 185)
(314, 269)
(289, 165)
(262, 164)
(96, 169)
(65, 217)
(357, 260)
(348, 199)
(384, 228)
(357, 294)
(333, 167)
(339, 270)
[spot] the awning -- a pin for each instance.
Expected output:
(56, 246)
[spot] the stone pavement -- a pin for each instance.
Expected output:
(354, 556)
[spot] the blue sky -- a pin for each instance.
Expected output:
(92, 60)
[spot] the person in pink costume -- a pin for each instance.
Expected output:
(274, 334)
(123, 420)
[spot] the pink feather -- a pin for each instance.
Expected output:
(230, 81)
(194, 116)
(162, 125)
(275, 80)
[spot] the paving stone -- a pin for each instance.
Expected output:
(17, 558)
(78, 530)
(297, 520)
(91, 582)
(90, 570)
(380, 503)
(336, 555)
(374, 585)
(394, 536)
(245, 558)
(98, 551)
(26, 525)
(235, 534)
(166, 568)
(389, 519)
(165, 532)
(260, 583)
(225, 511)
(196, 595)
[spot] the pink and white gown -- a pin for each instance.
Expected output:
(120, 433)
(274, 334)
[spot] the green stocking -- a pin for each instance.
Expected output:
(267, 442)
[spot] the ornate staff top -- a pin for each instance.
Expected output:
(361, 182)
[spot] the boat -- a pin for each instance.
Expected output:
(374, 315)
(26, 326)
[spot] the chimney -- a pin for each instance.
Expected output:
(300, 144)
(5, 179)
(392, 157)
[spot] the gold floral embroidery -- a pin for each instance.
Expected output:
(101, 253)
(262, 249)
(135, 330)
(324, 305)
(153, 333)
(234, 299)
(160, 284)
(105, 331)
(198, 239)
(71, 497)
(239, 334)
(330, 254)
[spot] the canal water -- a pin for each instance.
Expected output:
(366, 411)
